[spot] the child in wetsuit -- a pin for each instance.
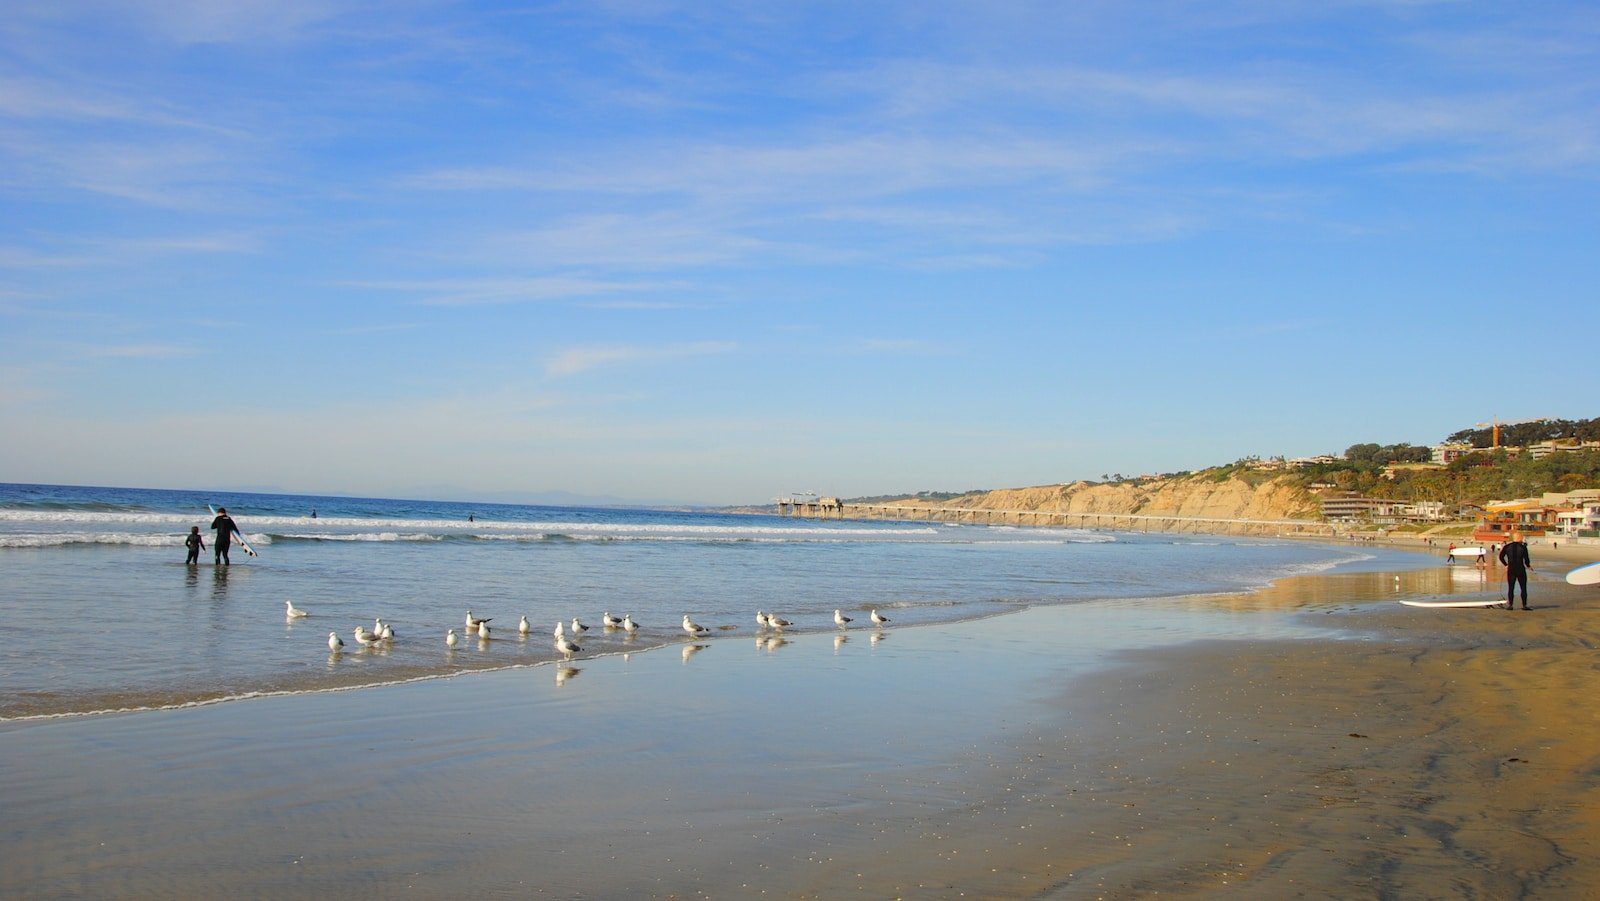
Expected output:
(196, 544)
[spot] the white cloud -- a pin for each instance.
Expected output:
(581, 359)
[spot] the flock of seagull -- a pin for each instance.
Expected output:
(382, 632)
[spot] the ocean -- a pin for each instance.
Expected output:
(99, 612)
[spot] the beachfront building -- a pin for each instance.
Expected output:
(1423, 511)
(1533, 518)
(1445, 454)
(1349, 507)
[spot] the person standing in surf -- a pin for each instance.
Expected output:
(1515, 557)
(226, 528)
(196, 545)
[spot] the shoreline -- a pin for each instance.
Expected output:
(1059, 767)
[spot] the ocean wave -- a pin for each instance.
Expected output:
(444, 526)
(136, 539)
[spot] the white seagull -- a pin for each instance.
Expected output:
(522, 625)
(472, 624)
(567, 647)
(761, 619)
(387, 634)
(777, 622)
(292, 611)
(578, 628)
(609, 621)
(377, 627)
(691, 627)
(841, 620)
(366, 639)
(334, 641)
(450, 638)
(561, 630)
(629, 625)
(483, 629)
(878, 619)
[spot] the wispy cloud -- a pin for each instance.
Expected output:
(581, 359)
(139, 351)
(482, 291)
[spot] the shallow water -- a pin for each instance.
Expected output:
(99, 612)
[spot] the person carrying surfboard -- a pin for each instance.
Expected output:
(1515, 557)
(226, 528)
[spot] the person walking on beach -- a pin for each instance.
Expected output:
(226, 528)
(1515, 557)
(196, 545)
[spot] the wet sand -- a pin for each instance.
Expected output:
(1313, 739)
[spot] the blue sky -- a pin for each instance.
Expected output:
(717, 251)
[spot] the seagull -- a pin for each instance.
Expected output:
(567, 647)
(522, 625)
(777, 622)
(578, 628)
(878, 619)
(450, 639)
(691, 627)
(841, 620)
(560, 632)
(483, 629)
(366, 639)
(387, 634)
(377, 627)
(335, 642)
(472, 624)
(609, 621)
(294, 612)
(761, 619)
(629, 625)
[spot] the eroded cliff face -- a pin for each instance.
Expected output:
(1196, 496)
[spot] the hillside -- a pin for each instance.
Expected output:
(1226, 494)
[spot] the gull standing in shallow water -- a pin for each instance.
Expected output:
(761, 619)
(522, 625)
(628, 625)
(777, 622)
(578, 628)
(293, 612)
(450, 639)
(386, 633)
(567, 647)
(472, 624)
(609, 621)
(878, 619)
(692, 627)
(334, 641)
(483, 629)
(841, 620)
(561, 631)
(364, 638)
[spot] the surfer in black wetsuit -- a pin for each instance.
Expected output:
(196, 544)
(1515, 557)
(226, 529)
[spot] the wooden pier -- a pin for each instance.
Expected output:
(833, 508)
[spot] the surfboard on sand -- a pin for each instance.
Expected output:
(238, 536)
(1585, 575)
(1475, 602)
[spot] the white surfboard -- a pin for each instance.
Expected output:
(238, 536)
(1585, 575)
(1475, 602)
(1466, 552)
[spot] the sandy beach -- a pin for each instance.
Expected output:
(1311, 739)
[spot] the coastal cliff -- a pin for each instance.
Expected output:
(1200, 495)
